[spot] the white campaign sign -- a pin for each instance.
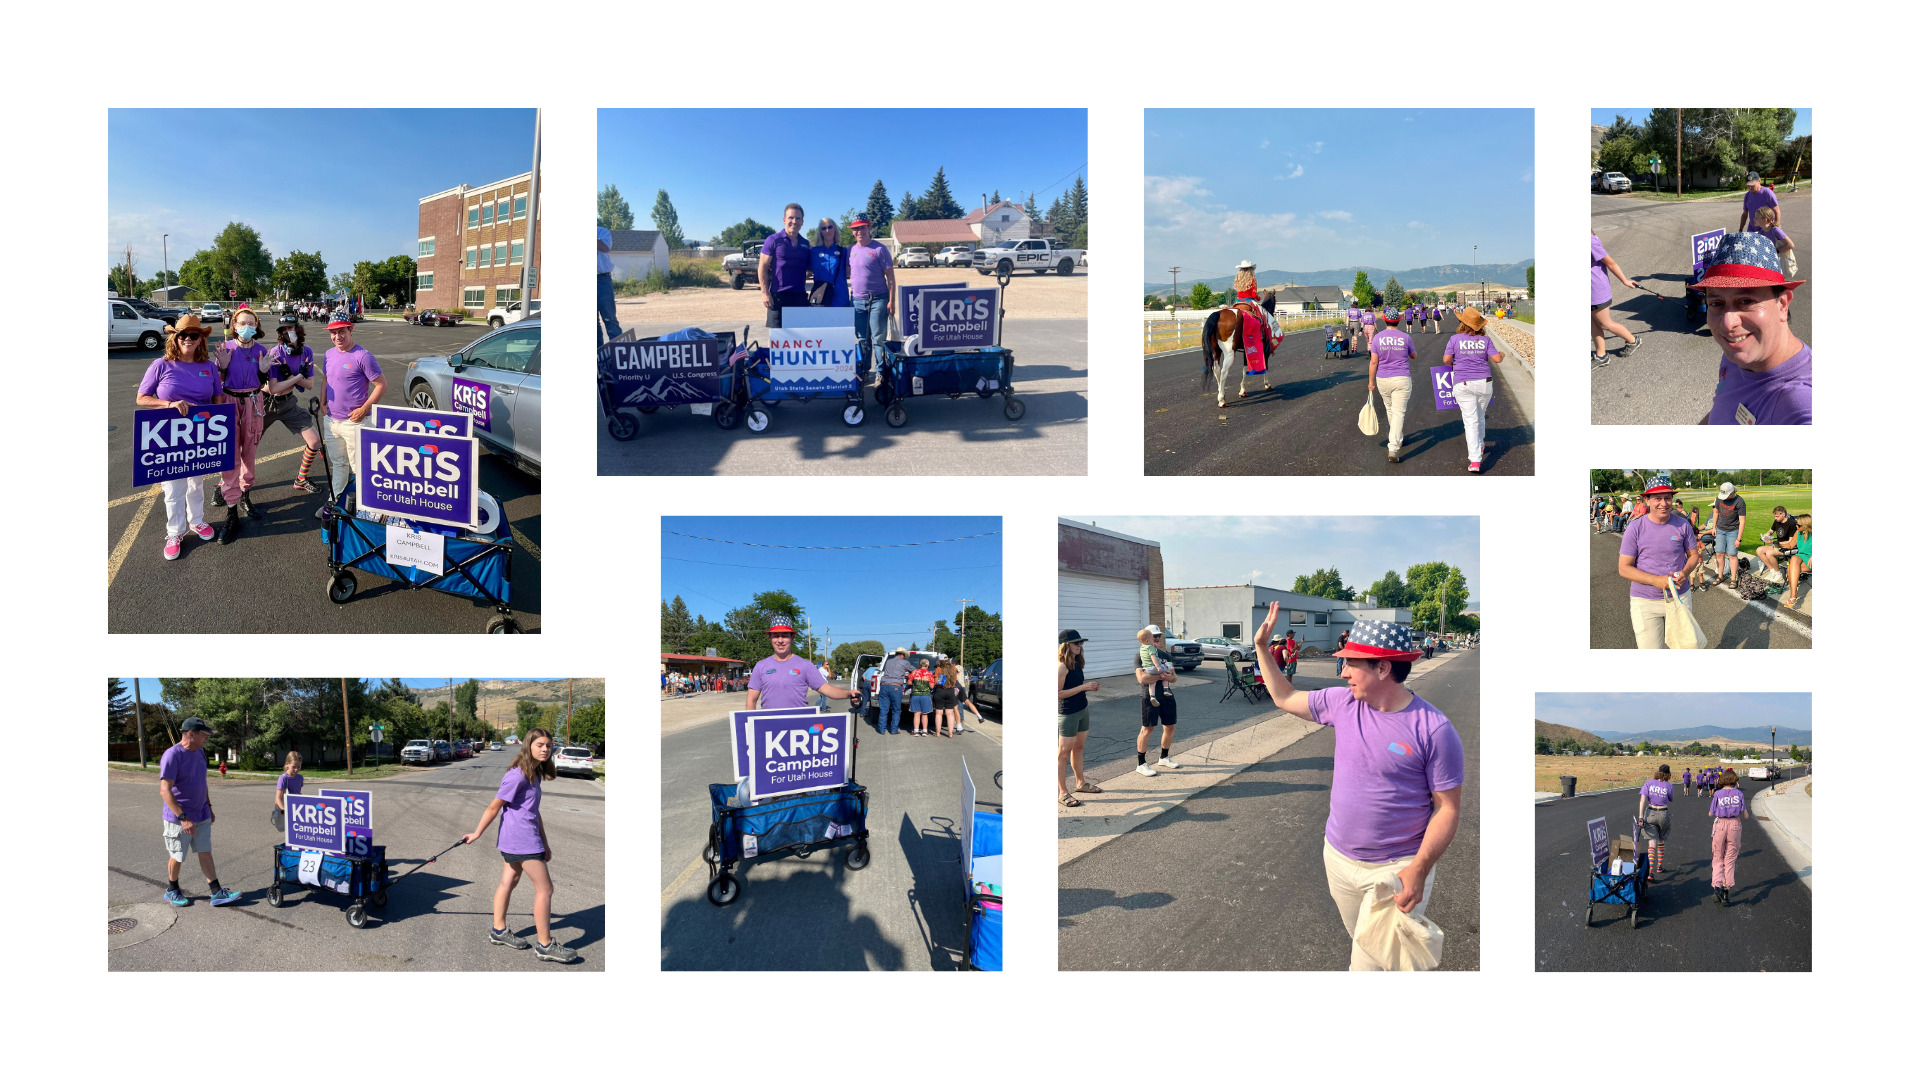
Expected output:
(424, 550)
(813, 352)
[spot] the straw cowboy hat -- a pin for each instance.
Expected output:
(1471, 319)
(189, 321)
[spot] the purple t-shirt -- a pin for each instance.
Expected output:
(1728, 802)
(350, 378)
(181, 380)
(1395, 350)
(1781, 396)
(1386, 767)
(520, 817)
(1657, 549)
(291, 783)
(791, 258)
(1657, 792)
(870, 263)
(1756, 199)
(1774, 233)
(186, 771)
(243, 364)
(1687, 777)
(1599, 292)
(783, 684)
(1366, 317)
(290, 364)
(1469, 352)
(1353, 314)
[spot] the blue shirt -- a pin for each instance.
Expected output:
(830, 264)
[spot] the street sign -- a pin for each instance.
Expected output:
(231, 294)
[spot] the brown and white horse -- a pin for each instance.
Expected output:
(1223, 341)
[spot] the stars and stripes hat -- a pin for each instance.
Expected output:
(781, 625)
(1744, 261)
(1370, 640)
(1659, 485)
(1392, 314)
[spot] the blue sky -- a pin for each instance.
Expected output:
(1802, 118)
(890, 595)
(720, 166)
(1322, 189)
(345, 183)
(1673, 711)
(1273, 550)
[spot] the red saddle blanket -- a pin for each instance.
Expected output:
(1253, 337)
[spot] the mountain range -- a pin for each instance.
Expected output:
(1424, 277)
(1708, 733)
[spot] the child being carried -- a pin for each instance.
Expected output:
(1151, 661)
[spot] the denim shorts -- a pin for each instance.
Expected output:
(1726, 542)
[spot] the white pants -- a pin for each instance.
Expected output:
(186, 503)
(1474, 396)
(1650, 619)
(1395, 390)
(1350, 881)
(343, 450)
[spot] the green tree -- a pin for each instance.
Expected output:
(526, 716)
(588, 724)
(1531, 295)
(1616, 155)
(1362, 288)
(240, 262)
(845, 654)
(909, 208)
(1324, 583)
(667, 220)
(1031, 207)
(1390, 591)
(676, 626)
(300, 274)
(1428, 582)
(1621, 128)
(747, 624)
(613, 211)
(938, 203)
(1453, 298)
(982, 631)
(879, 211)
(1071, 227)
(1395, 295)
(119, 708)
(745, 232)
(1154, 303)
(1203, 296)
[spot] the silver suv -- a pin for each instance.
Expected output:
(1219, 648)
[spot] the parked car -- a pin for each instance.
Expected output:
(574, 761)
(507, 361)
(957, 255)
(1611, 181)
(1187, 655)
(1220, 648)
(914, 256)
(127, 327)
(462, 750)
(212, 313)
(435, 318)
(743, 267)
(495, 746)
(985, 688)
(418, 752)
(150, 310)
(442, 750)
(513, 312)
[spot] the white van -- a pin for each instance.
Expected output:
(127, 327)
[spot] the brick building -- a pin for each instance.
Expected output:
(473, 245)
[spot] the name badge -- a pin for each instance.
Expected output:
(1744, 415)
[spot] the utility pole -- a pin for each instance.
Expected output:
(449, 714)
(963, 602)
(166, 276)
(529, 274)
(140, 722)
(346, 725)
(1173, 302)
(1679, 164)
(568, 737)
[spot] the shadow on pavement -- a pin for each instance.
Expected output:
(933, 856)
(1082, 901)
(802, 923)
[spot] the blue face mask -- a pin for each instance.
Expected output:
(247, 333)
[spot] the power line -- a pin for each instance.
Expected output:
(813, 547)
(817, 570)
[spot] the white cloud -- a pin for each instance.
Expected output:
(1264, 144)
(1254, 575)
(1296, 173)
(1416, 224)
(1317, 146)
(1335, 215)
(1527, 177)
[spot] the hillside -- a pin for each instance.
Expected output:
(497, 696)
(1707, 733)
(1556, 732)
(1512, 275)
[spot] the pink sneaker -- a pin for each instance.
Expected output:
(204, 532)
(173, 547)
(1473, 466)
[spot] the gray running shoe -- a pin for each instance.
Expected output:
(555, 952)
(1627, 350)
(506, 937)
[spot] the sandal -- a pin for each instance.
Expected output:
(1068, 800)
(1089, 789)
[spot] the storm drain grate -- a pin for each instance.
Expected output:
(120, 926)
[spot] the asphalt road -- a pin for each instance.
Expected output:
(1307, 424)
(278, 561)
(435, 920)
(1670, 379)
(967, 436)
(1769, 927)
(1729, 621)
(1232, 879)
(906, 910)
(1113, 722)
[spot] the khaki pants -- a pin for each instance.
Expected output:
(1650, 619)
(1394, 392)
(1349, 881)
(343, 450)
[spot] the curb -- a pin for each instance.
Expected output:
(1797, 852)
(1522, 393)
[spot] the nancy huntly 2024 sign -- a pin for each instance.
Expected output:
(814, 352)
(422, 477)
(421, 421)
(654, 372)
(168, 446)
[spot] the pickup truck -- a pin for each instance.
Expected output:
(743, 267)
(1038, 256)
(418, 752)
(513, 312)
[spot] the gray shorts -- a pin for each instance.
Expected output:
(295, 417)
(1658, 822)
(180, 845)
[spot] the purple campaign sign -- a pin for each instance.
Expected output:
(356, 808)
(472, 398)
(1704, 245)
(738, 724)
(431, 478)
(316, 823)
(793, 754)
(360, 845)
(168, 446)
(1597, 840)
(1443, 388)
(655, 372)
(951, 315)
(421, 421)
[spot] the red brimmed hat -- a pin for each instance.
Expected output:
(781, 626)
(1745, 260)
(1370, 640)
(859, 221)
(340, 318)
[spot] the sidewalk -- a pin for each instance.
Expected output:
(1786, 812)
(1519, 380)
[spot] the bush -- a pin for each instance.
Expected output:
(680, 274)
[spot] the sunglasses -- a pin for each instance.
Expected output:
(190, 336)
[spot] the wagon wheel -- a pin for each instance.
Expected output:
(706, 854)
(503, 624)
(649, 409)
(274, 898)
(854, 415)
(858, 857)
(727, 415)
(380, 898)
(1633, 916)
(622, 426)
(1589, 914)
(1014, 409)
(883, 394)
(757, 418)
(357, 916)
(723, 890)
(896, 415)
(342, 586)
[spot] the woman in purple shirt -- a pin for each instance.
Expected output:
(182, 378)
(1471, 354)
(1600, 307)
(1727, 808)
(523, 846)
(290, 783)
(1656, 796)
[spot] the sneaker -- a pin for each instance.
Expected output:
(305, 486)
(1473, 466)
(202, 530)
(173, 547)
(1154, 701)
(1600, 359)
(1145, 769)
(1169, 763)
(1627, 350)
(1393, 459)
(555, 952)
(223, 895)
(508, 938)
(176, 898)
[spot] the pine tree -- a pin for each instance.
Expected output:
(909, 208)
(879, 208)
(676, 626)
(995, 201)
(1077, 206)
(613, 211)
(1031, 208)
(667, 220)
(938, 203)
(1395, 295)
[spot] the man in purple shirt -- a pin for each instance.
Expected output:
(784, 260)
(871, 283)
(1398, 766)
(354, 383)
(1757, 196)
(1658, 549)
(1391, 368)
(186, 814)
(1766, 371)
(781, 681)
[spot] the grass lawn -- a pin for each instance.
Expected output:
(1760, 504)
(1601, 773)
(1669, 196)
(1520, 317)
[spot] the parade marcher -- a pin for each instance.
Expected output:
(1165, 714)
(1758, 197)
(893, 685)
(239, 360)
(1780, 543)
(785, 258)
(1658, 548)
(289, 369)
(827, 262)
(1472, 354)
(354, 384)
(1767, 223)
(1727, 808)
(1368, 321)
(289, 783)
(1391, 368)
(1686, 781)
(1656, 796)
(1729, 524)
(870, 285)
(1288, 653)
(781, 681)
(607, 326)
(1802, 559)
(1600, 297)
(1353, 322)
(186, 814)
(920, 696)
(184, 376)
(1398, 766)
(1766, 371)
(523, 845)
(1071, 688)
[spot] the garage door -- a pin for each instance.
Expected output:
(1108, 612)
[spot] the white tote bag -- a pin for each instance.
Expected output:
(1369, 420)
(1683, 630)
(1393, 939)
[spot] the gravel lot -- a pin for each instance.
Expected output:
(1029, 296)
